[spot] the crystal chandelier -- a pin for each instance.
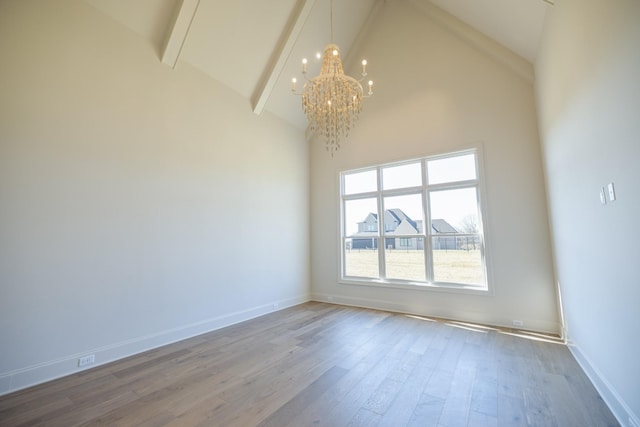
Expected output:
(332, 100)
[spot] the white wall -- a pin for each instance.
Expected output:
(138, 204)
(588, 93)
(436, 92)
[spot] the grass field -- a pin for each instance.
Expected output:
(455, 266)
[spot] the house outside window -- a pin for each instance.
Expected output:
(384, 210)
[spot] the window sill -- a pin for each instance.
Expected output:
(456, 288)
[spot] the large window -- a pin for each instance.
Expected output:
(384, 210)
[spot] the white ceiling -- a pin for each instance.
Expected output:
(255, 47)
(515, 24)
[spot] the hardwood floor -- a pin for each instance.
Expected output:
(326, 365)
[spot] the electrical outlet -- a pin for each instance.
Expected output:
(518, 323)
(87, 360)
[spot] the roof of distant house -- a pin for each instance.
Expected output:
(442, 226)
(438, 225)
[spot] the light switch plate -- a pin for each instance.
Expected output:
(612, 192)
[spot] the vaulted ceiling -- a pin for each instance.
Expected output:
(255, 47)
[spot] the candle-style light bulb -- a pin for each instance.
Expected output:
(318, 55)
(364, 67)
(293, 84)
(304, 65)
(370, 87)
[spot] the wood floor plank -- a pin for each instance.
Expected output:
(364, 418)
(456, 408)
(320, 364)
(394, 349)
(427, 411)
(484, 396)
(538, 408)
(33, 411)
(478, 419)
(511, 411)
(368, 356)
(373, 364)
(403, 407)
(303, 399)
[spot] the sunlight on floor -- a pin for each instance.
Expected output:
(530, 335)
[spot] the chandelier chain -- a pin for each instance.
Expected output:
(331, 18)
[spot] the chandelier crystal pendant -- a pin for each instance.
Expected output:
(332, 100)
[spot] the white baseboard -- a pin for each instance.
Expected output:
(53, 369)
(462, 316)
(616, 404)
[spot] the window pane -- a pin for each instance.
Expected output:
(452, 169)
(385, 230)
(361, 222)
(361, 218)
(402, 176)
(403, 214)
(405, 258)
(455, 261)
(361, 262)
(360, 182)
(454, 211)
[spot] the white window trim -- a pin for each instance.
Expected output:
(449, 287)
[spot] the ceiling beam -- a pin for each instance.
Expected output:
(281, 54)
(178, 30)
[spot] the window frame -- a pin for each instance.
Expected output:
(424, 190)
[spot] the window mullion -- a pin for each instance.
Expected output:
(480, 230)
(401, 191)
(360, 196)
(381, 242)
(428, 254)
(454, 185)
